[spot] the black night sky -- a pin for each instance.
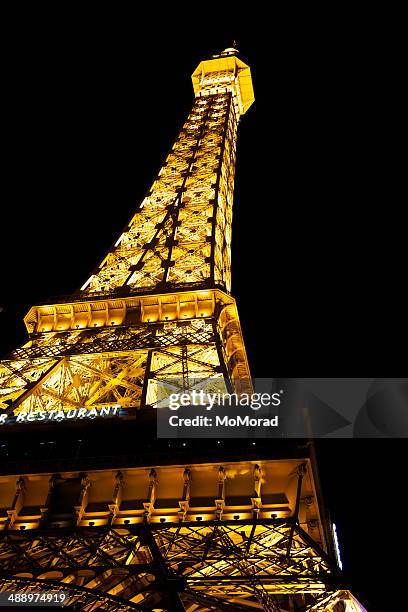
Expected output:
(92, 108)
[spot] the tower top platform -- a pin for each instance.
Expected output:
(225, 72)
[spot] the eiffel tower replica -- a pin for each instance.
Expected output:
(100, 513)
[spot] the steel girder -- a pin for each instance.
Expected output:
(234, 565)
(108, 340)
(106, 366)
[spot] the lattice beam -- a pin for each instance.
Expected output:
(210, 559)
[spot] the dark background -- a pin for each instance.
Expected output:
(93, 104)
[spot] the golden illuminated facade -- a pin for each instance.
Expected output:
(158, 305)
(194, 536)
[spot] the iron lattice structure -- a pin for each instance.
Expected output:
(215, 565)
(157, 307)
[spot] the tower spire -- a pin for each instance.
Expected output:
(233, 50)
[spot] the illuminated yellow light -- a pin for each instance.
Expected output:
(198, 257)
(92, 378)
(24, 526)
(86, 283)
